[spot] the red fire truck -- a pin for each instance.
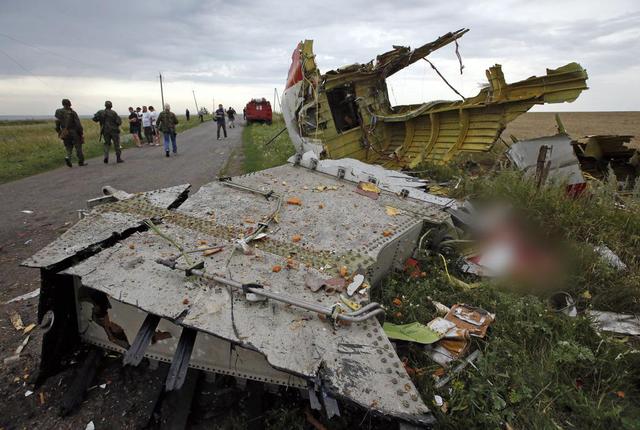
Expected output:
(258, 110)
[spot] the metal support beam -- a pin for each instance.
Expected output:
(180, 362)
(434, 119)
(135, 353)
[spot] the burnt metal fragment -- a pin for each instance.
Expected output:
(181, 358)
(135, 353)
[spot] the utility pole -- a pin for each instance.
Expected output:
(161, 90)
(196, 102)
(276, 100)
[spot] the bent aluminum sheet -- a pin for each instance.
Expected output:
(101, 226)
(338, 228)
(564, 165)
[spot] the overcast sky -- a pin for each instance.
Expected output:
(232, 51)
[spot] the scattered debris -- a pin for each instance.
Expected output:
(16, 320)
(354, 306)
(28, 393)
(615, 322)
(33, 294)
(413, 332)
(321, 188)
(212, 251)
(441, 382)
(610, 257)
(440, 308)
(27, 211)
(355, 284)
(564, 303)
(391, 211)
(28, 328)
(90, 426)
(368, 189)
(16, 355)
(558, 161)
(598, 153)
(475, 320)
(294, 201)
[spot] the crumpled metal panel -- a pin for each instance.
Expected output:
(210, 353)
(355, 362)
(404, 136)
(563, 163)
(389, 180)
(99, 226)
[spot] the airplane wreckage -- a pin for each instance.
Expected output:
(346, 113)
(236, 279)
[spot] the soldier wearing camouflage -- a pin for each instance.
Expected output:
(109, 129)
(70, 130)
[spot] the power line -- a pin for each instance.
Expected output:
(29, 72)
(33, 75)
(48, 51)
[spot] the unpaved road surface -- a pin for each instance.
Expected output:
(54, 198)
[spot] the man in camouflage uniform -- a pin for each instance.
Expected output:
(70, 131)
(110, 130)
(166, 123)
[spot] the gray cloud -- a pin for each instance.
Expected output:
(248, 42)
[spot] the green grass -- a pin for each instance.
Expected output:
(538, 369)
(257, 155)
(31, 147)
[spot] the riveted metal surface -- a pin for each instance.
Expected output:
(337, 227)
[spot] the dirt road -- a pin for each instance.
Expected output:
(54, 198)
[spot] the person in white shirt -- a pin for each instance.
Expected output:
(154, 130)
(146, 125)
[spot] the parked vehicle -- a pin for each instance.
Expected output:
(258, 110)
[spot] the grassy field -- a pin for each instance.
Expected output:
(30, 147)
(538, 369)
(258, 155)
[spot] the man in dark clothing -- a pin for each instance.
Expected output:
(110, 130)
(231, 113)
(134, 127)
(187, 114)
(219, 118)
(166, 123)
(70, 130)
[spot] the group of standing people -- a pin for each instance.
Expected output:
(144, 120)
(71, 132)
(219, 118)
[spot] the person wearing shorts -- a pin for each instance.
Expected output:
(134, 127)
